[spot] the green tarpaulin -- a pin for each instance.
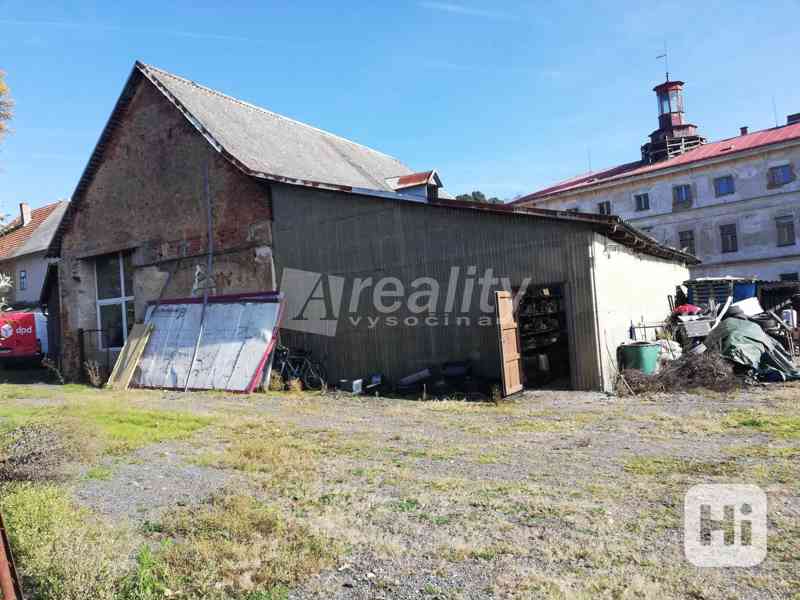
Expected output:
(745, 343)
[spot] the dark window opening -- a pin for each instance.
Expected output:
(780, 176)
(682, 196)
(642, 201)
(788, 277)
(686, 240)
(730, 242)
(785, 227)
(604, 208)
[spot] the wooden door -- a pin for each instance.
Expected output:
(510, 359)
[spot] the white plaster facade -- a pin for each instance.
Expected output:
(754, 207)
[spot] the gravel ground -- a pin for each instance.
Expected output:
(554, 495)
(139, 487)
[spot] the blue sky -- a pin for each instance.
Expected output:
(501, 97)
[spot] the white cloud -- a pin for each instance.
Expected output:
(460, 9)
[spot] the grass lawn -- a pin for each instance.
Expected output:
(554, 495)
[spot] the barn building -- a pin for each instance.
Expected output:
(382, 271)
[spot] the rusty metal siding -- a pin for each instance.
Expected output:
(353, 236)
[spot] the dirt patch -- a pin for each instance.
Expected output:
(37, 453)
(141, 486)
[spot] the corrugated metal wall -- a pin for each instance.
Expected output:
(358, 237)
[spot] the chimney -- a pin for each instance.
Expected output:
(792, 119)
(24, 213)
(743, 130)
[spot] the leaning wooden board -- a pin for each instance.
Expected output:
(510, 358)
(127, 360)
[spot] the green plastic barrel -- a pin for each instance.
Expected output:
(642, 356)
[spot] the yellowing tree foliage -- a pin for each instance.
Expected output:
(5, 105)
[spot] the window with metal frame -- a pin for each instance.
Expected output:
(785, 227)
(686, 241)
(682, 196)
(788, 276)
(724, 186)
(23, 280)
(780, 176)
(604, 208)
(114, 292)
(728, 236)
(642, 202)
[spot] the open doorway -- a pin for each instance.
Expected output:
(544, 343)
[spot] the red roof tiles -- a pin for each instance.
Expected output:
(15, 236)
(725, 147)
(405, 181)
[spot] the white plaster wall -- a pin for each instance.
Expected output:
(36, 266)
(630, 287)
(753, 208)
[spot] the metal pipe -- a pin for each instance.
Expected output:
(209, 270)
(9, 582)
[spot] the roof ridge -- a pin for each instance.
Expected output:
(265, 110)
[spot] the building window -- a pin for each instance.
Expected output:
(642, 201)
(789, 277)
(779, 176)
(686, 241)
(114, 278)
(723, 186)
(574, 210)
(604, 208)
(23, 281)
(785, 227)
(682, 196)
(727, 234)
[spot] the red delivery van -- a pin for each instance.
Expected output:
(23, 334)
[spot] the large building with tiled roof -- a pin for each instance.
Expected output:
(23, 244)
(734, 203)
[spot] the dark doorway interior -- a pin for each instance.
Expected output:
(544, 343)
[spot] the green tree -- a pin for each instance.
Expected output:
(478, 196)
(5, 105)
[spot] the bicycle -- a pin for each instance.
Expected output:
(298, 365)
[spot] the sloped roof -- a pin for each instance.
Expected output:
(268, 143)
(259, 142)
(414, 179)
(721, 148)
(16, 240)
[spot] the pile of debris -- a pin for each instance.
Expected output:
(717, 344)
(708, 370)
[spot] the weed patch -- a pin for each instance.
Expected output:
(237, 546)
(663, 466)
(63, 552)
(786, 426)
(119, 426)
